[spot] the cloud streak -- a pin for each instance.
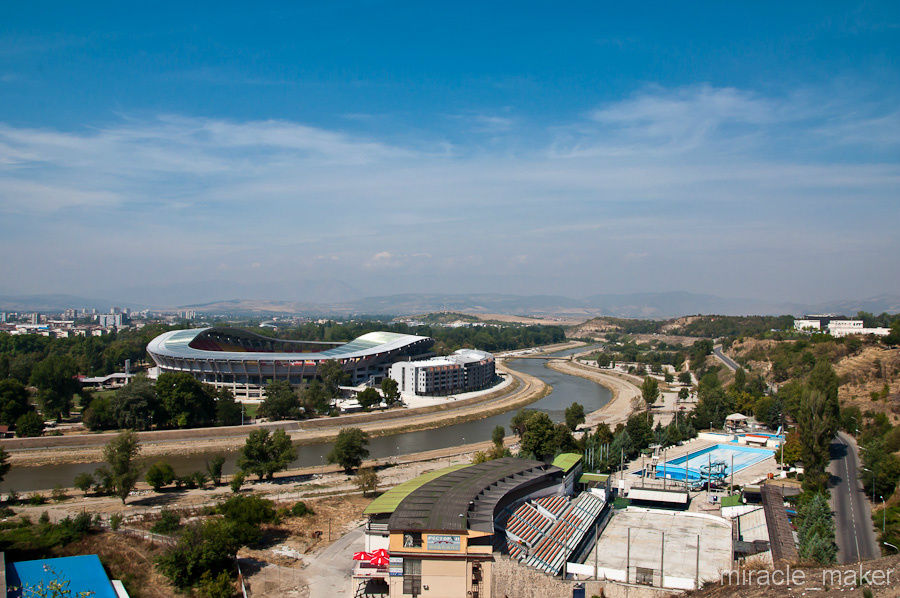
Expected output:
(263, 195)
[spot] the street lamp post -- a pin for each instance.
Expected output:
(883, 516)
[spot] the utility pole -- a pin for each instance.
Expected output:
(628, 556)
(697, 566)
(662, 556)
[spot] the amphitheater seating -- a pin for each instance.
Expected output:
(551, 539)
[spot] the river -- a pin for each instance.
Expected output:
(567, 389)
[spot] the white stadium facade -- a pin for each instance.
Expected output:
(245, 362)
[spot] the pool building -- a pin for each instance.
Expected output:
(711, 464)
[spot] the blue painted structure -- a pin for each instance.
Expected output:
(84, 573)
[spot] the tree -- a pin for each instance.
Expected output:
(29, 424)
(650, 390)
(228, 410)
(683, 393)
(816, 428)
(208, 547)
(4, 463)
(264, 455)
(517, 424)
(99, 415)
(685, 378)
(281, 402)
(216, 586)
(574, 416)
(544, 439)
(740, 379)
(55, 377)
(185, 402)
(214, 469)
(367, 480)
(315, 398)
(816, 533)
(882, 468)
(640, 428)
(604, 359)
(13, 401)
(498, 435)
(160, 474)
(333, 375)
(121, 455)
(368, 398)
(135, 405)
(349, 448)
(390, 390)
(83, 481)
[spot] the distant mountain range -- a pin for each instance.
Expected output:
(335, 298)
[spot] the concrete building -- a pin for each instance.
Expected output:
(837, 326)
(465, 370)
(440, 529)
(245, 362)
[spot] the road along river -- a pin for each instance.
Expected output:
(566, 390)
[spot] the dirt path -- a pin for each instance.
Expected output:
(623, 392)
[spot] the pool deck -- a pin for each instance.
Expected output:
(749, 475)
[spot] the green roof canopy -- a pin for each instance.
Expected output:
(587, 478)
(388, 502)
(567, 461)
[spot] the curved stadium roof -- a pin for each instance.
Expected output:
(205, 343)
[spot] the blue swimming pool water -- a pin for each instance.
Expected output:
(698, 461)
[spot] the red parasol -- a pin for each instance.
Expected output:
(381, 552)
(362, 556)
(380, 561)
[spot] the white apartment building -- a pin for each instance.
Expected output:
(463, 371)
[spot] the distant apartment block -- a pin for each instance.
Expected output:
(463, 371)
(836, 325)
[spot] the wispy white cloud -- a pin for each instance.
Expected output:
(279, 193)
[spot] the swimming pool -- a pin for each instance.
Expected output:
(718, 458)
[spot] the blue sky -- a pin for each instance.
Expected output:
(740, 150)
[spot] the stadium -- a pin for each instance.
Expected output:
(243, 361)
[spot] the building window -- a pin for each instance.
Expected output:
(412, 540)
(412, 576)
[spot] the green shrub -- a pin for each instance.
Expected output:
(208, 547)
(220, 586)
(237, 480)
(300, 509)
(168, 522)
(59, 494)
(37, 499)
(159, 474)
(115, 522)
(83, 481)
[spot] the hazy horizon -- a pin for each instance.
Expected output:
(406, 148)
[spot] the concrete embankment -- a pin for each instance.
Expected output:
(82, 448)
(623, 392)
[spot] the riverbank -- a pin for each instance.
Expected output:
(624, 392)
(523, 390)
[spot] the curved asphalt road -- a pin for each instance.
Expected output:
(729, 362)
(854, 531)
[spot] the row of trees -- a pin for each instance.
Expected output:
(175, 400)
(315, 397)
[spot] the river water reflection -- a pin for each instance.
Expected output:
(566, 390)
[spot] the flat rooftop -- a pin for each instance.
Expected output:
(679, 555)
